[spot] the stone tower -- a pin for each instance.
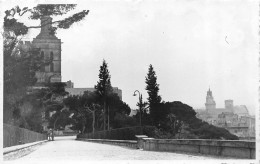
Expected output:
(210, 103)
(229, 105)
(50, 47)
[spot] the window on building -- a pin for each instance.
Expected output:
(51, 56)
(42, 65)
(42, 54)
(42, 68)
(51, 67)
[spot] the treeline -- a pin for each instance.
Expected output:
(100, 110)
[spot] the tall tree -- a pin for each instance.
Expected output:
(153, 98)
(104, 88)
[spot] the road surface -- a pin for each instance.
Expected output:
(65, 149)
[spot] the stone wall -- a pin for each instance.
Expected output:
(13, 135)
(236, 149)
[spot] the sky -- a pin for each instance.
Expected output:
(192, 45)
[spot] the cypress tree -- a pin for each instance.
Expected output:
(153, 98)
(103, 87)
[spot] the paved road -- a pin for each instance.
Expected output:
(68, 149)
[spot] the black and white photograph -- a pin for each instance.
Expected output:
(130, 81)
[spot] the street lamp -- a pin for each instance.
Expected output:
(140, 107)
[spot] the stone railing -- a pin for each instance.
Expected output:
(233, 149)
(229, 148)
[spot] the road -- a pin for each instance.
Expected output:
(65, 149)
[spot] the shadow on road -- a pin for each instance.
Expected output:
(62, 138)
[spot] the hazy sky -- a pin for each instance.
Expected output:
(191, 44)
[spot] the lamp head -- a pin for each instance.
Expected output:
(134, 94)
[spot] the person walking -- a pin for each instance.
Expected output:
(49, 134)
(52, 135)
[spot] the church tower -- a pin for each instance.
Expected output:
(50, 47)
(210, 103)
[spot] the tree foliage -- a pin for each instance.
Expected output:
(123, 120)
(142, 105)
(116, 107)
(142, 113)
(19, 74)
(83, 118)
(180, 117)
(19, 28)
(52, 97)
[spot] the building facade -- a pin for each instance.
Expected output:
(50, 50)
(50, 47)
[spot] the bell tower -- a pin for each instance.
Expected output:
(210, 103)
(50, 47)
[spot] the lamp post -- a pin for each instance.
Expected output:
(140, 107)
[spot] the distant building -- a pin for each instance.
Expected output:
(236, 119)
(133, 112)
(228, 118)
(244, 127)
(80, 91)
(69, 84)
(213, 112)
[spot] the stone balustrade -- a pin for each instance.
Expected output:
(226, 148)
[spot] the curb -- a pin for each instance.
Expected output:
(22, 147)
(124, 143)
